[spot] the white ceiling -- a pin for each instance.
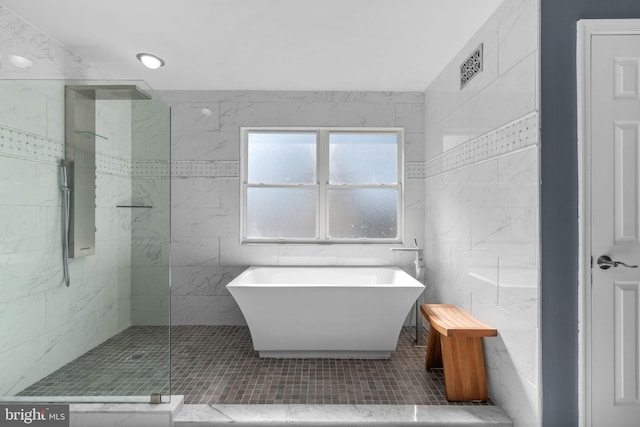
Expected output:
(398, 45)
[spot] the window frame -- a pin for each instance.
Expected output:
(322, 184)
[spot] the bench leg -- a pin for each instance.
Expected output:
(464, 370)
(434, 353)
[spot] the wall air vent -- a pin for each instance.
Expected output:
(471, 66)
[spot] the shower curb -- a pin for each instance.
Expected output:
(340, 415)
(124, 414)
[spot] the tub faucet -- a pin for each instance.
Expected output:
(418, 263)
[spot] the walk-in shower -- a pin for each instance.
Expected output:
(85, 178)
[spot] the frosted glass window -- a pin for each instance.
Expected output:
(281, 212)
(363, 158)
(283, 158)
(310, 185)
(357, 213)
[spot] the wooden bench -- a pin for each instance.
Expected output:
(455, 344)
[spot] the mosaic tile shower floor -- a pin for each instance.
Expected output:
(217, 364)
(134, 362)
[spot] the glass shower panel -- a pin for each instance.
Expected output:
(106, 337)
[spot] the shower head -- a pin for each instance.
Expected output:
(111, 92)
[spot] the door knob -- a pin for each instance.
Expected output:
(605, 262)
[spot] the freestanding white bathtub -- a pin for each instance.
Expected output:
(335, 312)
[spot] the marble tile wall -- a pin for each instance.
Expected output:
(45, 324)
(482, 191)
(205, 210)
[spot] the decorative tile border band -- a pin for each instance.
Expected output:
(514, 136)
(213, 169)
(113, 165)
(30, 146)
(414, 170)
(16, 143)
(150, 168)
(185, 169)
(25, 145)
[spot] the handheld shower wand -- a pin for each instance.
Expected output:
(66, 200)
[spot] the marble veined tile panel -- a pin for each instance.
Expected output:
(195, 251)
(414, 147)
(194, 310)
(214, 222)
(195, 118)
(518, 34)
(23, 228)
(508, 98)
(234, 115)
(411, 117)
(23, 365)
(27, 317)
(23, 107)
(517, 341)
(28, 273)
(206, 146)
(24, 182)
(200, 192)
(306, 255)
(519, 289)
(366, 114)
(518, 179)
(205, 280)
(307, 114)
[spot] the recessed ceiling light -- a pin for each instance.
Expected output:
(150, 61)
(20, 61)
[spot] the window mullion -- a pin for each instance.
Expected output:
(323, 180)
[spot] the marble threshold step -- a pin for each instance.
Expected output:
(340, 415)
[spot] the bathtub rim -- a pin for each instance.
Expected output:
(410, 281)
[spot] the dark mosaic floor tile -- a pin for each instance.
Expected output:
(134, 362)
(217, 364)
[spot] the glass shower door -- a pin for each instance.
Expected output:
(106, 336)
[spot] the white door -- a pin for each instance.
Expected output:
(615, 230)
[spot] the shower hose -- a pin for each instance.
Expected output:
(66, 200)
